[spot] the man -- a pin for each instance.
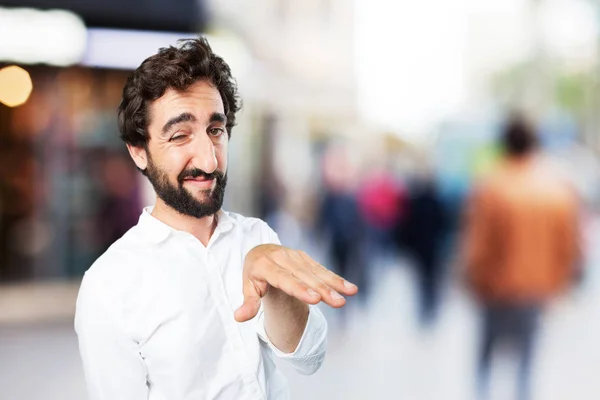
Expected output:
(194, 302)
(521, 247)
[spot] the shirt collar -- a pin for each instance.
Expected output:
(157, 231)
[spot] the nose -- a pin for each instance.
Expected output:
(204, 155)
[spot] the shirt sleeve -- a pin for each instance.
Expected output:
(112, 364)
(310, 352)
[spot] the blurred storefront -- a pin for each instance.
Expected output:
(67, 185)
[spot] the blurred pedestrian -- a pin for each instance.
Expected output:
(339, 218)
(521, 248)
(421, 235)
(382, 202)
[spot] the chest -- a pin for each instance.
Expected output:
(186, 322)
(185, 313)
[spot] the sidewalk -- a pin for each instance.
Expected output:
(23, 304)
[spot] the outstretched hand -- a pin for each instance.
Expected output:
(292, 272)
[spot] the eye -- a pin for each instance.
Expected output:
(177, 138)
(216, 132)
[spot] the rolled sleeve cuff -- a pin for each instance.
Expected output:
(310, 352)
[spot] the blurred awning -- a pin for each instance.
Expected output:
(161, 15)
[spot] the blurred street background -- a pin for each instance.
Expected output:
(365, 126)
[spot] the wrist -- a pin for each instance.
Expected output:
(277, 298)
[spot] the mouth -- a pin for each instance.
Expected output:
(200, 182)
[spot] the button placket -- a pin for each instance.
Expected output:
(218, 291)
(231, 326)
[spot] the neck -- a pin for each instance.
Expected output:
(521, 158)
(201, 228)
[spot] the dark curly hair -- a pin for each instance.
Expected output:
(519, 136)
(173, 68)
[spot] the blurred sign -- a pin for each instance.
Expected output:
(135, 46)
(164, 15)
(29, 36)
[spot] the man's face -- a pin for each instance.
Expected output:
(187, 150)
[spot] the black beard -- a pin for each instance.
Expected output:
(182, 201)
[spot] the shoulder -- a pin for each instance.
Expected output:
(254, 227)
(116, 271)
(121, 257)
(115, 285)
(247, 223)
(483, 186)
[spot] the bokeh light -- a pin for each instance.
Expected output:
(15, 86)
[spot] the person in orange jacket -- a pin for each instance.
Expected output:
(521, 247)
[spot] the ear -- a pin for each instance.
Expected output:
(139, 156)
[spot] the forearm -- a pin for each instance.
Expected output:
(285, 319)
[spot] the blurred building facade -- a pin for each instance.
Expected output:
(298, 91)
(67, 175)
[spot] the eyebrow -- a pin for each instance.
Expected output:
(183, 117)
(187, 117)
(218, 117)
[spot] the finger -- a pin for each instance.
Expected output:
(328, 295)
(330, 278)
(251, 305)
(284, 280)
(248, 310)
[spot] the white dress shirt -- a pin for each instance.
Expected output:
(155, 319)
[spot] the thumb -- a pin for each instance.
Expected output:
(251, 305)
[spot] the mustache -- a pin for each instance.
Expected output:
(198, 173)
